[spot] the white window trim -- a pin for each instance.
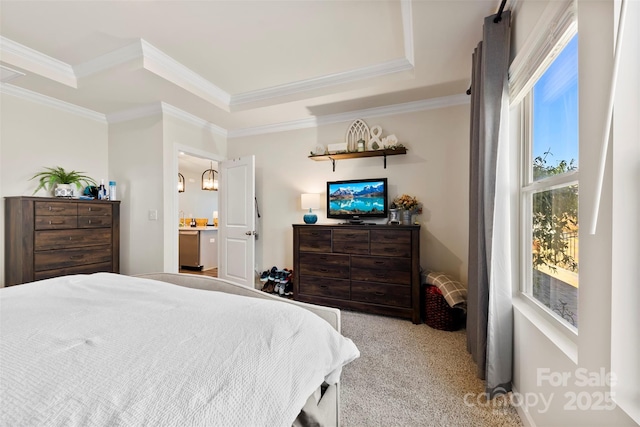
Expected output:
(565, 336)
(557, 25)
(555, 28)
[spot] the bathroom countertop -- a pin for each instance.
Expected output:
(206, 228)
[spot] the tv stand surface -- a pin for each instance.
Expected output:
(370, 268)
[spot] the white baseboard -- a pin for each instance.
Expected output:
(523, 412)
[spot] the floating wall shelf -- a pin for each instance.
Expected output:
(359, 154)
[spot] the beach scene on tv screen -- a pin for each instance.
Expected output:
(356, 198)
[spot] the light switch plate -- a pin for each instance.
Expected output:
(153, 215)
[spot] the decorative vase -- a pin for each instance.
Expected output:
(394, 217)
(406, 217)
(63, 190)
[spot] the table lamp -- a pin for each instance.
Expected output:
(310, 201)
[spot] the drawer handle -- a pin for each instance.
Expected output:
(56, 222)
(89, 208)
(381, 294)
(324, 286)
(324, 270)
(379, 262)
(89, 221)
(76, 256)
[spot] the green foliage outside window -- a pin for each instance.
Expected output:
(555, 216)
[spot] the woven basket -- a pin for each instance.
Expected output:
(438, 313)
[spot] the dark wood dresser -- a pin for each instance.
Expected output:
(48, 237)
(370, 268)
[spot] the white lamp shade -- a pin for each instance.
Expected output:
(310, 201)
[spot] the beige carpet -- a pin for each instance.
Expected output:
(413, 375)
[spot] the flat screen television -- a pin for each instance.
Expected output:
(357, 199)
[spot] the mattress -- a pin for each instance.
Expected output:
(106, 349)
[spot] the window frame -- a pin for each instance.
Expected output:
(528, 187)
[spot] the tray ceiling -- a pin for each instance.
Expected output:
(240, 64)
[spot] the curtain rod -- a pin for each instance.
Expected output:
(499, 17)
(495, 20)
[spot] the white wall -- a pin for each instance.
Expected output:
(135, 152)
(193, 137)
(144, 161)
(435, 170)
(626, 233)
(140, 155)
(34, 136)
(536, 346)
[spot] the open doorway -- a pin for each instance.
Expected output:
(197, 182)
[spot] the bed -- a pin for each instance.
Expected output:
(108, 349)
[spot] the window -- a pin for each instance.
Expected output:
(550, 187)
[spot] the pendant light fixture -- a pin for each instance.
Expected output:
(210, 179)
(181, 184)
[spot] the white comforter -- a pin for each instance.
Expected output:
(105, 349)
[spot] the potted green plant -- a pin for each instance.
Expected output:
(59, 178)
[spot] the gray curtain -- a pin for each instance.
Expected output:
(490, 316)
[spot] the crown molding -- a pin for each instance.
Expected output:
(112, 59)
(18, 92)
(407, 30)
(170, 110)
(307, 123)
(147, 110)
(408, 107)
(156, 61)
(165, 66)
(31, 60)
(376, 70)
(159, 108)
(164, 108)
(389, 67)
(8, 74)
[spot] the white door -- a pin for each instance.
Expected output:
(236, 222)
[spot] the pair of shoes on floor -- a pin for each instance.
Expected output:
(282, 279)
(277, 281)
(268, 277)
(264, 276)
(287, 290)
(283, 289)
(268, 274)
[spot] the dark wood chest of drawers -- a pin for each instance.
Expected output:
(49, 237)
(375, 269)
